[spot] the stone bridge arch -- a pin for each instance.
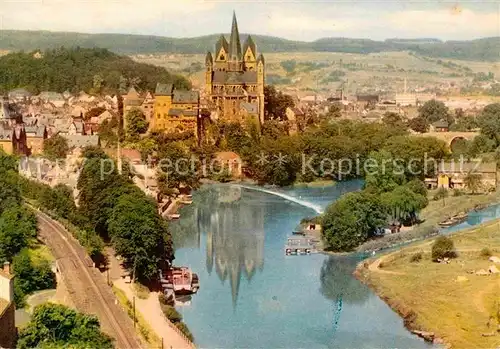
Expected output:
(450, 137)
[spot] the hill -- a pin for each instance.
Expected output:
(88, 69)
(481, 49)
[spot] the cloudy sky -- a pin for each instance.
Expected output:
(298, 20)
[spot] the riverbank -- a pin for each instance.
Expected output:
(453, 305)
(434, 213)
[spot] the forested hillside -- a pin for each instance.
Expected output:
(91, 70)
(481, 49)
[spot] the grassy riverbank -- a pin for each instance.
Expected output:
(461, 308)
(434, 213)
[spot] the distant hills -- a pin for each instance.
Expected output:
(486, 49)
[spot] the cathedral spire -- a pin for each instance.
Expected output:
(234, 42)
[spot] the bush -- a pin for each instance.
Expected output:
(141, 291)
(440, 194)
(171, 313)
(185, 330)
(443, 247)
(416, 257)
(486, 252)
(458, 192)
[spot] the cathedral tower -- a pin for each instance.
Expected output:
(235, 78)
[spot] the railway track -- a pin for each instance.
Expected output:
(86, 287)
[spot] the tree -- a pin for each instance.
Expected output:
(334, 111)
(473, 182)
(443, 247)
(433, 111)
(479, 145)
(418, 124)
(489, 122)
(17, 230)
(393, 119)
(273, 129)
(55, 147)
(30, 276)
(136, 123)
(57, 325)
(384, 175)
(351, 220)
(403, 204)
(276, 103)
(140, 236)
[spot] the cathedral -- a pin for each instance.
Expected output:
(235, 78)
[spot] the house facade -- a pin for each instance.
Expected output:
(453, 175)
(8, 332)
(35, 136)
(175, 110)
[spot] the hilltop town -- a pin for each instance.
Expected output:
(110, 164)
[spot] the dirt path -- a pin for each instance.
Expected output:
(151, 311)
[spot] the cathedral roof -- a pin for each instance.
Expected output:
(249, 43)
(261, 58)
(247, 77)
(234, 42)
(221, 43)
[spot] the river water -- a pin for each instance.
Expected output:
(253, 296)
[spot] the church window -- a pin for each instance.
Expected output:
(222, 57)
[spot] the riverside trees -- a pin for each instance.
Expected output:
(57, 326)
(122, 213)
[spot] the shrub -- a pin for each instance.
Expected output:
(185, 330)
(440, 194)
(141, 291)
(458, 192)
(171, 313)
(443, 247)
(166, 300)
(486, 252)
(416, 257)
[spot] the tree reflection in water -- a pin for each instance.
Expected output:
(337, 280)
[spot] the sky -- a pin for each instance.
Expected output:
(295, 20)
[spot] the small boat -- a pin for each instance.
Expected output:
(447, 223)
(181, 280)
(173, 216)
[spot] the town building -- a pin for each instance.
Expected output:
(77, 142)
(452, 175)
(35, 136)
(175, 110)
(235, 75)
(294, 117)
(8, 332)
(13, 139)
(440, 126)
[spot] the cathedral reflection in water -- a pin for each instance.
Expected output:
(234, 233)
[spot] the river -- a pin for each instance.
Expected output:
(253, 296)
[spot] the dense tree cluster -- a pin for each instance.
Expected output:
(18, 230)
(80, 69)
(57, 326)
(136, 124)
(55, 147)
(31, 275)
(120, 211)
